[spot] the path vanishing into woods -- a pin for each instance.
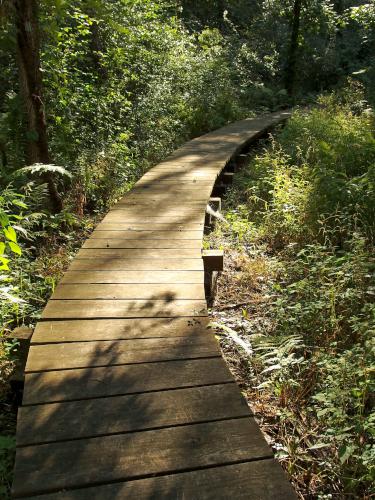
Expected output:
(126, 393)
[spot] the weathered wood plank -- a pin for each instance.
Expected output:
(85, 383)
(176, 178)
(88, 291)
(260, 480)
(170, 175)
(162, 215)
(125, 456)
(112, 329)
(194, 189)
(46, 357)
(141, 243)
(118, 414)
(152, 308)
(183, 218)
(144, 253)
(147, 226)
(199, 195)
(190, 221)
(136, 265)
(160, 210)
(176, 183)
(145, 234)
(132, 277)
(173, 209)
(164, 199)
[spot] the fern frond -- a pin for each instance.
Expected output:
(43, 168)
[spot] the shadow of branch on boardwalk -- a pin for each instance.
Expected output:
(110, 403)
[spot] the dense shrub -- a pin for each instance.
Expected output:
(305, 208)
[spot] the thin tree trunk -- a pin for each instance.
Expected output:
(28, 60)
(290, 77)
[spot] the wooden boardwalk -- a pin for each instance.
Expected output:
(126, 393)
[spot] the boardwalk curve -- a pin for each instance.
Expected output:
(126, 393)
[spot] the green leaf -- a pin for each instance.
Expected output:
(10, 234)
(2, 248)
(19, 203)
(7, 442)
(345, 452)
(43, 168)
(4, 267)
(4, 219)
(322, 412)
(15, 248)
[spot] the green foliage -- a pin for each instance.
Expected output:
(317, 181)
(125, 82)
(11, 206)
(305, 207)
(43, 168)
(7, 451)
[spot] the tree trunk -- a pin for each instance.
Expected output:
(290, 77)
(28, 60)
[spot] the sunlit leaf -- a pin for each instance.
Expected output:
(10, 234)
(14, 247)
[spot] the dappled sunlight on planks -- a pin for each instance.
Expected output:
(126, 393)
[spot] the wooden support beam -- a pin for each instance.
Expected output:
(241, 161)
(219, 189)
(207, 222)
(215, 203)
(226, 178)
(231, 166)
(213, 261)
(22, 335)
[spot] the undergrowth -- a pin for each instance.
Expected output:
(35, 249)
(299, 289)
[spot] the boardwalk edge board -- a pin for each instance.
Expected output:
(126, 393)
